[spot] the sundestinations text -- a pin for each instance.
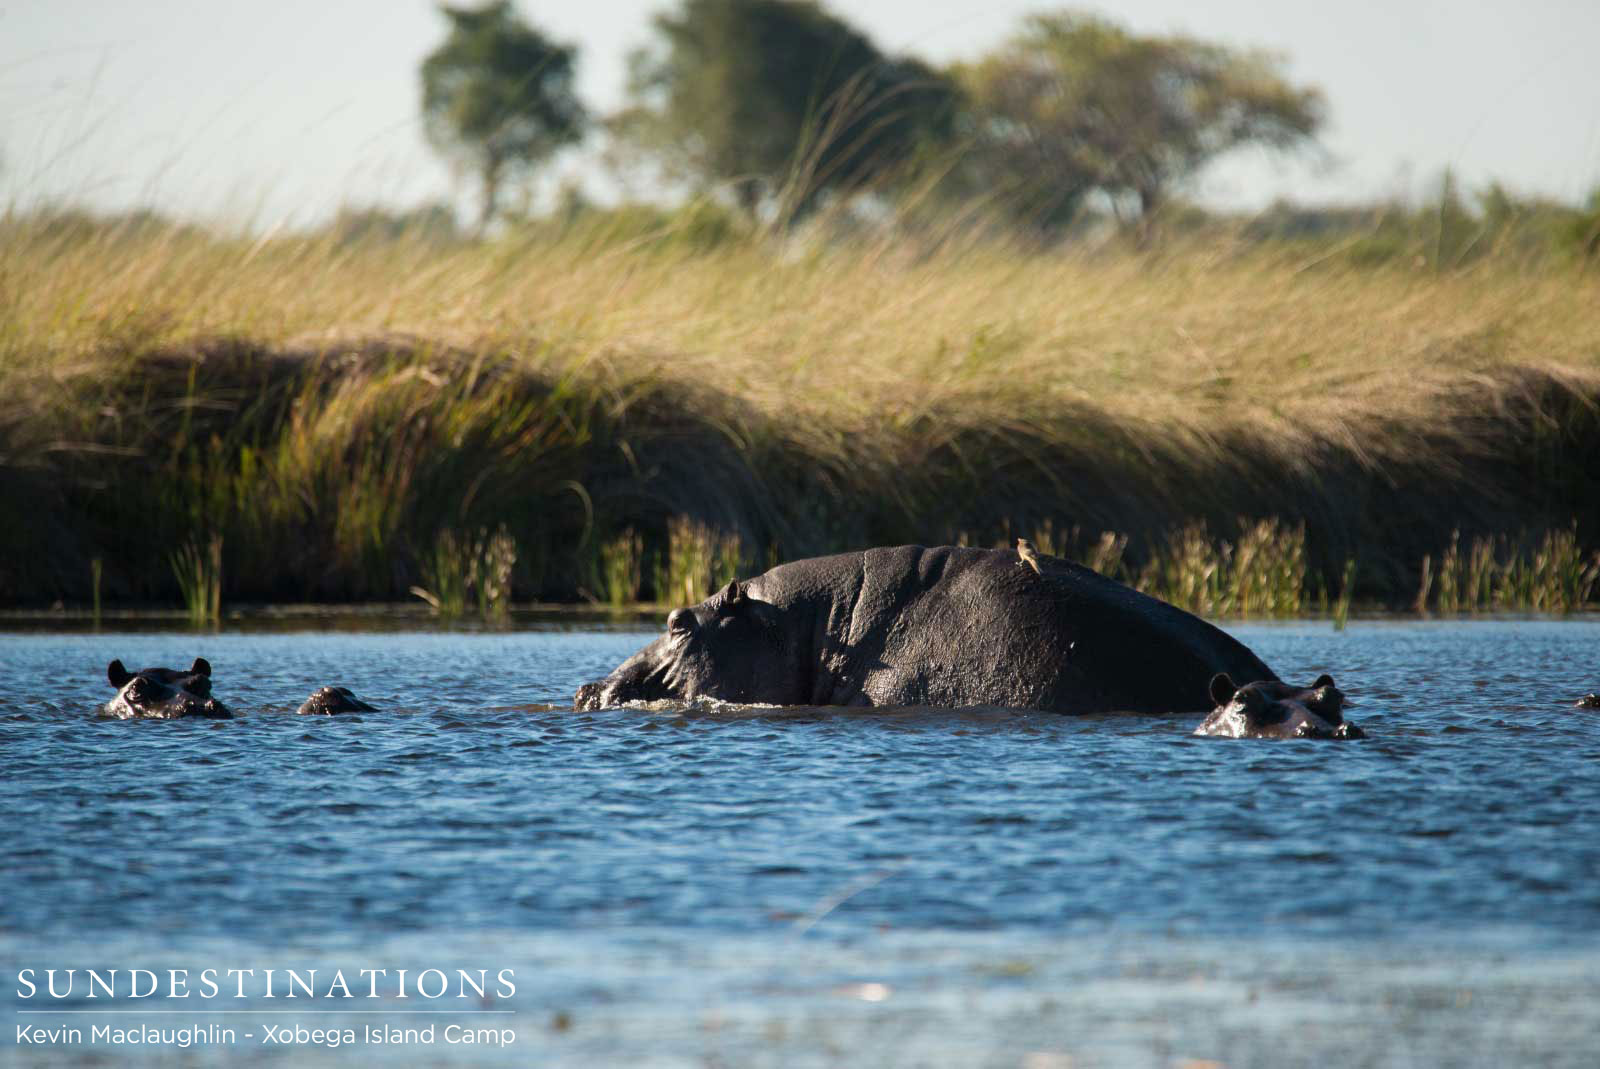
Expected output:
(264, 983)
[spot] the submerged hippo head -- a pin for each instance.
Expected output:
(1273, 710)
(731, 647)
(163, 693)
(333, 700)
(1588, 701)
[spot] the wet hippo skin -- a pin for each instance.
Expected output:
(948, 626)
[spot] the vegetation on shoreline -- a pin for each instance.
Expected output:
(649, 409)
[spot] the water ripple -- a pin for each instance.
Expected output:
(474, 800)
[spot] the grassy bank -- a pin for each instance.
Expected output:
(645, 412)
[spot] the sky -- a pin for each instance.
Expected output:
(277, 113)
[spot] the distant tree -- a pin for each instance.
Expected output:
(1452, 231)
(1075, 103)
(1583, 231)
(433, 224)
(497, 97)
(778, 99)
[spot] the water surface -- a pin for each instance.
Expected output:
(681, 886)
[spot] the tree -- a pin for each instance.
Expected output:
(432, 224)
(497, 96)
(780, 100)
(1075, 103)
(1583, 231)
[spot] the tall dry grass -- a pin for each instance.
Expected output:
(350, 400)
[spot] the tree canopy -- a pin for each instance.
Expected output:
(1074, 103)
(498, 97)
(778, 99)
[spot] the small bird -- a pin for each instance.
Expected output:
(1029, 555)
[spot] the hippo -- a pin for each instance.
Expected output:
(171, 693)
(947, 626)
(164, 693)
(330, 700)
(1588, 701)
(1273, 710)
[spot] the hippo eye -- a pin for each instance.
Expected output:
(681, 622)
(138, 689)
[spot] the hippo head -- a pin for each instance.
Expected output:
(731, 647)
(163, 693)
(329, 700)
(1273, 710)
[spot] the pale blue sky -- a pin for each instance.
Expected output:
(279, 111)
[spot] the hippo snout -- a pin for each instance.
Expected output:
(333, 700)
(588, 697)
(215, 710)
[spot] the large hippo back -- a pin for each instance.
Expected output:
(947, 626)
(954, 626)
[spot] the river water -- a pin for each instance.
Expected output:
(719, 886)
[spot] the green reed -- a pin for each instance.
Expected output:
(620, 568)
(1552, 575)
(1425, 585)
(489, 573)
(699, 561)
(1347, 583)
(1103, 556)
(469, 569)
(199, 574)
(1262, 573)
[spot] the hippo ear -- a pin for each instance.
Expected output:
(733, 593)
(117, 674)
(201, 667)
(1324, 680)
(1222, 689)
